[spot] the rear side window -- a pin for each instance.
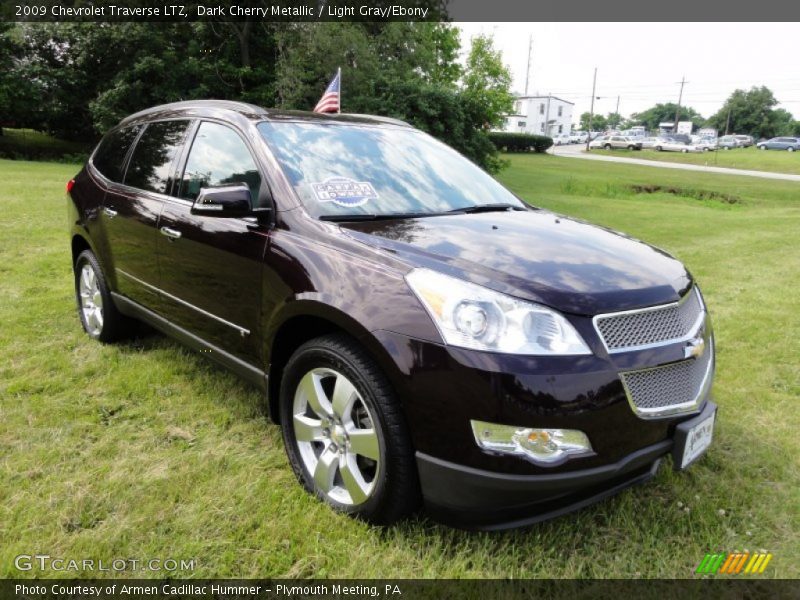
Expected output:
(151, 164)
(110, 155)
(219, 157)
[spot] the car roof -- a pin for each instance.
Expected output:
(209, 108)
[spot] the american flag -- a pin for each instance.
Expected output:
(329, 103)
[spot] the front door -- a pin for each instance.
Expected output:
(211, 267)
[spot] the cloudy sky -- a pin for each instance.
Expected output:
(643, 63)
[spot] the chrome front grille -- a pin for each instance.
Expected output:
(635, 329)
(669, 389)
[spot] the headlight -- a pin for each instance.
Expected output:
(472, 316)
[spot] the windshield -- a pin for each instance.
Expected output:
(366, 170)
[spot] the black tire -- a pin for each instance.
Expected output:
(790, 149)
(607, 147)
(659, 148)
(115, 326)
(396, 491)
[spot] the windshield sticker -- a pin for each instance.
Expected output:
(344, 191)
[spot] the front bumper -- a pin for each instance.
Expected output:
(443, 388)
(477, 499)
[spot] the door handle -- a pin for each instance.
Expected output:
(172, 234)
(110, 212)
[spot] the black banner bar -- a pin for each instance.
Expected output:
(400, 10)
(269, 589)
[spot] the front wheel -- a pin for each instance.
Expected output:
(762, 147)
(344, 433)
(607, 146)
(790, 149)
(98, 315)
(685, 150)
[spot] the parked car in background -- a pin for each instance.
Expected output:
(648, 143)
(705, 144)
(745, 141)
(726, 142)
(791, 144)
(561, 139)
(671, 145)
(413, 344)
(578, 137)
(679, 137)
(593, 135)
(609, 142)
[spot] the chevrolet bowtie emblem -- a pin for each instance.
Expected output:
(694, 348)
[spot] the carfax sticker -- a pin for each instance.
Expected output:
(344, 191)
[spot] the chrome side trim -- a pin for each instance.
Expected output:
(242, 331)
(698, 324)
(673, 409)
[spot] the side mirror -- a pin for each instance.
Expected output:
(227, 201)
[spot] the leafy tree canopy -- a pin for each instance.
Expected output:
(753, 112)
(665, 113)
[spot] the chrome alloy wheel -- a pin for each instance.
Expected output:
(336, 436)
(91, 300)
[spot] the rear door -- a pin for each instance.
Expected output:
(211, 267)
(131, 210)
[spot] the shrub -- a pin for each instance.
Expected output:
(520, 142)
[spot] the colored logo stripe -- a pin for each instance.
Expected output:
(734, 563)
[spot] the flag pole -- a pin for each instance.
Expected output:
(339, 75)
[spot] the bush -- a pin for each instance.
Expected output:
(520, 142)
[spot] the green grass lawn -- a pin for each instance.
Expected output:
(739, 158)
(147, 450)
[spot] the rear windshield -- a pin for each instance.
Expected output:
(351, 169)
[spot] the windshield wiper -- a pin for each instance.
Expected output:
(377, 217)
(479, 208)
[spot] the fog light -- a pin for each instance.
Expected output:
(547, 447)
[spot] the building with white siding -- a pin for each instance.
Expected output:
(541, 115)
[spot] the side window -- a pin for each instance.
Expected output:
(151, 163)
(218, 157)
(110, 154)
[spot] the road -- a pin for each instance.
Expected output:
(578, 151)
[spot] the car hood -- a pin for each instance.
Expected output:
(564, 263)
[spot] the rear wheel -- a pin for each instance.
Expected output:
(790, 149)
(98, 315)
(659, 148)
(345, 436)
(762, 147)
(607, 146)
(684, 150)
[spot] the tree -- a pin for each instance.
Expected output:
(665, 113)
(598, 123)
(487, 81)
(752, 112)
(614, 120)
(17, 94)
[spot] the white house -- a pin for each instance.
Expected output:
(542, 115)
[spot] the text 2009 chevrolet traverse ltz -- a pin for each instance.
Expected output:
(421, 334)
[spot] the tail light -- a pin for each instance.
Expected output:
(70, 185)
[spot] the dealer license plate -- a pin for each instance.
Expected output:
(698, 439)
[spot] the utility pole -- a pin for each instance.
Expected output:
(678, 110)
(528, 71)
(591, 110)
(728, 122)
(547, 116)
(616, 112)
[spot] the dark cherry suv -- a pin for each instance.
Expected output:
(419, 332)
